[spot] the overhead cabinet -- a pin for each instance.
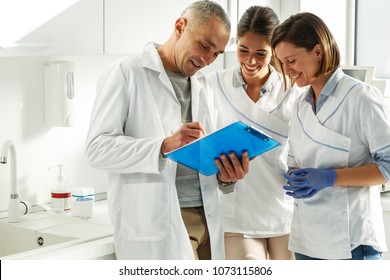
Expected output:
(91, 27)
(77, 30)
(129, 25)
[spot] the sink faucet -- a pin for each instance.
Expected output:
(16, 207)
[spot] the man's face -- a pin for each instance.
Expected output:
(198, 46)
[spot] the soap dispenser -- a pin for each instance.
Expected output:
(61, 193)
(59, 94)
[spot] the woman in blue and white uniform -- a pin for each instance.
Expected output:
(257, 215)
(339, 148)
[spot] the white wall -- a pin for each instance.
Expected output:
(373, 41)
(338, 15)
(38, 147)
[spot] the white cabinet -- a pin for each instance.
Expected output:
(91, 27)
(129, 25)
(77, 30)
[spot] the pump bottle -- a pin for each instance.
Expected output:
(61, 193)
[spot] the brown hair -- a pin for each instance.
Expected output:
(260, 20)
(306, 30)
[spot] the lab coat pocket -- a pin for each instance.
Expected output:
(145, 211)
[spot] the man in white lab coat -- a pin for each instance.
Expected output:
(147, 105)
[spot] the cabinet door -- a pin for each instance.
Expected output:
(76, 30)
(129, 25)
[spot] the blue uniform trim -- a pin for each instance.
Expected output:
(342, 101)
(281, 102)
(270, 130)
(382, 160)
(383, 148)
(315, 141)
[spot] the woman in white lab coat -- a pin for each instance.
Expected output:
(339, 148)
(257, 214)
(136, 113)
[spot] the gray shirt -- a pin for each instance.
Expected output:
(187, 180)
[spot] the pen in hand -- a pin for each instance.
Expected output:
(187, 133)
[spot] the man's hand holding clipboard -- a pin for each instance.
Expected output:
(237, 143)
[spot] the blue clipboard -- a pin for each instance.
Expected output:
(236, 137)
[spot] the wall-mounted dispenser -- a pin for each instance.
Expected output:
(59, 94)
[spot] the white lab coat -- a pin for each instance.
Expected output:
(258, 207)
(135, 109)
(352, 124)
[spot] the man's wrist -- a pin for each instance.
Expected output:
(224, 184)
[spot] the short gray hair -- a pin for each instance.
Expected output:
(201, 11)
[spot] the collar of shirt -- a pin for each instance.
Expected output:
(327, 91)
(269, 86)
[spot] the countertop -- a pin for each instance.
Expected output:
(94, 235)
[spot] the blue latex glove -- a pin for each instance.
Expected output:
(306, 182)
(300, 192)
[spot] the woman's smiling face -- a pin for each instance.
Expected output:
(298, 63)
(254, 55)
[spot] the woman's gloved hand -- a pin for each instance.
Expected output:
(306, 182)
